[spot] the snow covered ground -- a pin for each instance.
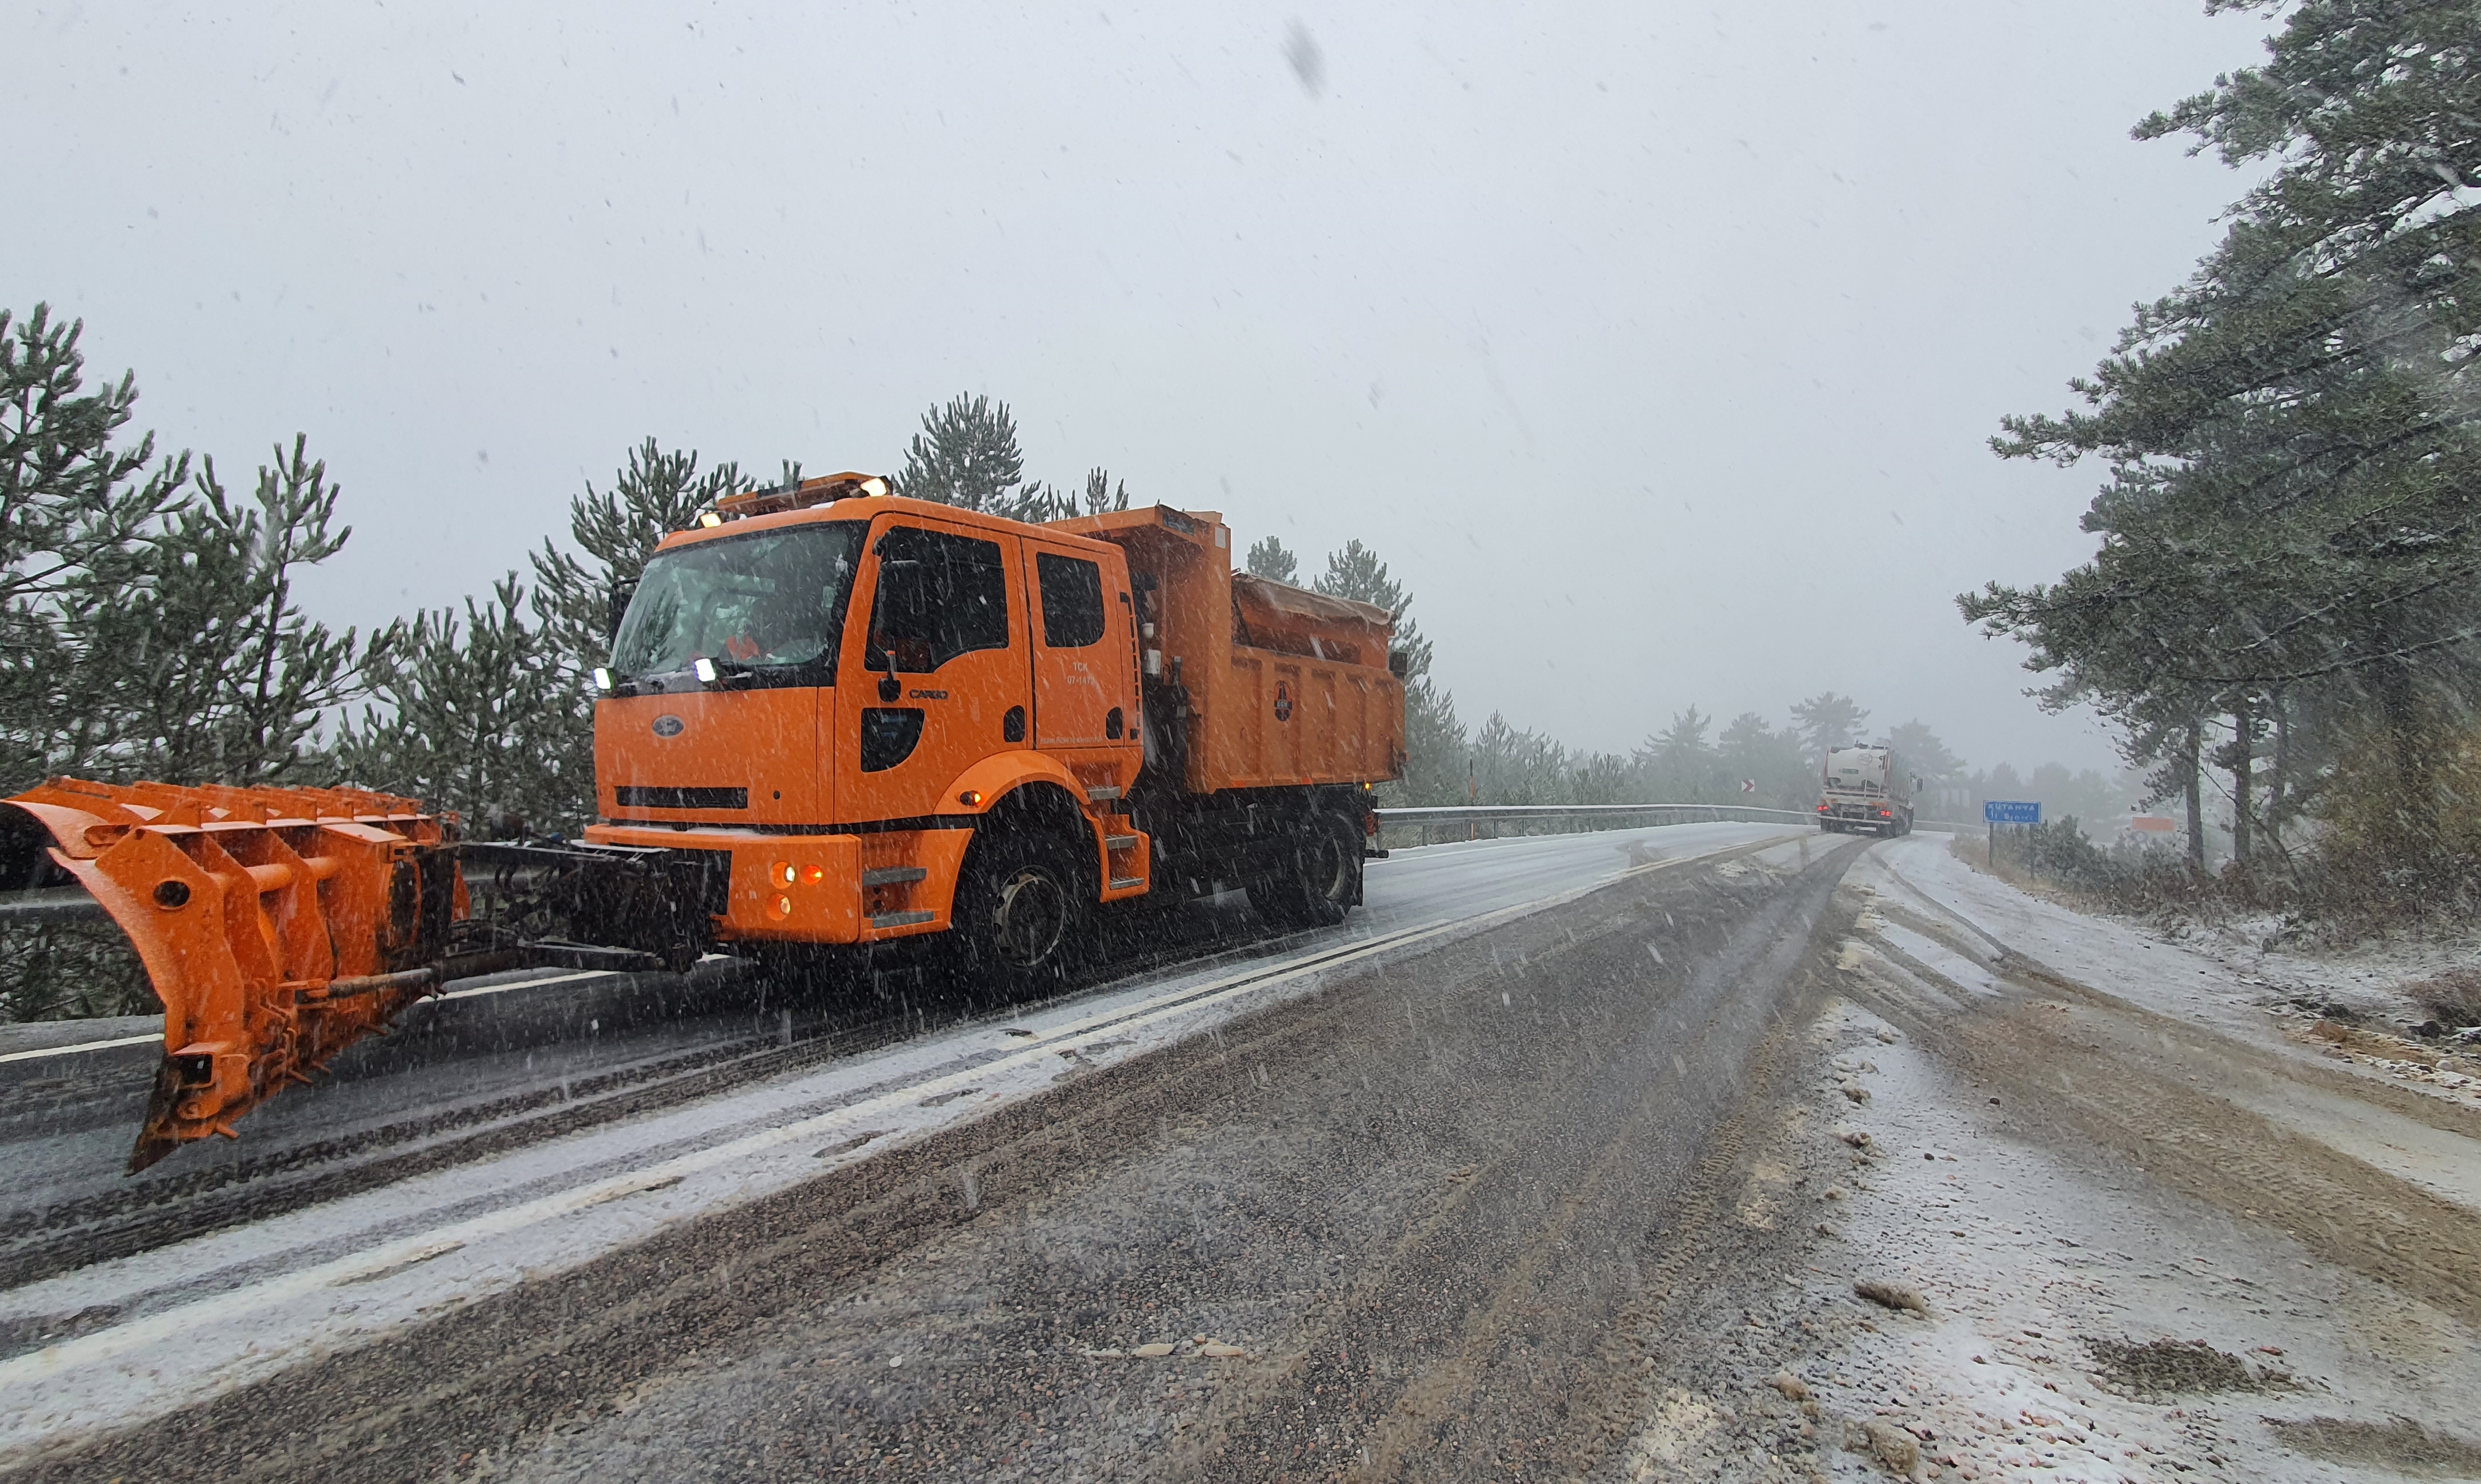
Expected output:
(2034, 1254)
(2224, 980)
(2022, 1262)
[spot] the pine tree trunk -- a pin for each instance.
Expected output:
(2243, 769)
(2190, 771)
(2414, 767)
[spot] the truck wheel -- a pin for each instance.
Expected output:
(1018, 915)
(1323, 879)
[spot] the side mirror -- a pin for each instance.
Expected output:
(889, 687)
(1398, 662)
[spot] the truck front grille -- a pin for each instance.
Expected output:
(633, 795)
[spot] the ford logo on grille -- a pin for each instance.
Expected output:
(668, 726)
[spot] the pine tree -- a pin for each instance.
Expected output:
(1434, 739)
(1517, 766)
(1600, 778)
(73, 503)
(219, 677)
(652, 496)
(1267, 558)
(1827, 720)
(2293, 435)
(1923, 755)
(147, 627)
(483, 717)
(1677, 764)
(77, 509)
(966, 455)
(1786, 777)
(1102, 497)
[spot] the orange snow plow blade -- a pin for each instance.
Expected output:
(278, 926)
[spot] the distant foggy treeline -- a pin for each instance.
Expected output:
(2284, 616)
(1749, 760)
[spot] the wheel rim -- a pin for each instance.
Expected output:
(1033, 916)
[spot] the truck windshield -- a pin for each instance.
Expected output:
(771, 604)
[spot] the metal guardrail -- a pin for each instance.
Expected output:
(49, 904)
(1404, 828)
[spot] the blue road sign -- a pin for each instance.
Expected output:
(2001, 811)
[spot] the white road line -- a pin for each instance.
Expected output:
(82, 1046)
(502, 989)
(454, 994)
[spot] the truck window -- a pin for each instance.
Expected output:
(1072, 601)
(771, 603)
(940, 595)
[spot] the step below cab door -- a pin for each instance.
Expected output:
(937, 679)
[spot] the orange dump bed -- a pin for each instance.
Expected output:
(1283, 687)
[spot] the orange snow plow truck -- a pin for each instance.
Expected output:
(833, 718)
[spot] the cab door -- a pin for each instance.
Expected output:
(937, 679)
(1085, 665)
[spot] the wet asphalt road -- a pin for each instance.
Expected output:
(1429, 1211)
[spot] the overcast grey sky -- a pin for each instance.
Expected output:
(1656, 351)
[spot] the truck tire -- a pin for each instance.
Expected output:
(1020, 917)
(1321, 880)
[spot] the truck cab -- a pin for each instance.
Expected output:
(841, 717)
(833, 694)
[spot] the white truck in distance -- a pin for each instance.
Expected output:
(1867, 788)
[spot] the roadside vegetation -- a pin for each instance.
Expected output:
(2283, 613)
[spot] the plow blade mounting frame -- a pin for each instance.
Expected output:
(278, 926)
